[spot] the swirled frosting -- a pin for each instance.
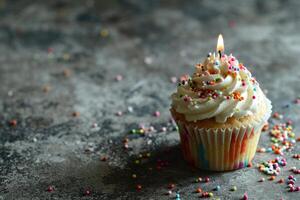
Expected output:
(219, 88)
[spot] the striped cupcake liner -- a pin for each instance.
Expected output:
(220, 149)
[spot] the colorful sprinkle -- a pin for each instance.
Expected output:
(245, 197)
(234, 188)
(156, 114)
(119, 78)
(50, 188)
(139, 187)
(13, 122)
(217, 188)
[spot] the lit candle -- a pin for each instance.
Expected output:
(220, 45)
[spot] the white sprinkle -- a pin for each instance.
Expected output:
(148, 60)
(130, 109)
(173, 79)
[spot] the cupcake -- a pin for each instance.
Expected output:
(220, 111)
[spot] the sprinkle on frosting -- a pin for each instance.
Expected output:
(220, 88)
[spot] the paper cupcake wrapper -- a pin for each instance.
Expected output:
(221, 149)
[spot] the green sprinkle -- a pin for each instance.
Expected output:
(133, 131)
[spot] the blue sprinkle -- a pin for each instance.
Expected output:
(269, 149)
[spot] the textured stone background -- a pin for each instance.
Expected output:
(148, 42)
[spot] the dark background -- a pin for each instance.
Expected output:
(58, 63)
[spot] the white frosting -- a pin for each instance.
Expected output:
(220, 88)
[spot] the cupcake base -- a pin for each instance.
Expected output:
(219, 149)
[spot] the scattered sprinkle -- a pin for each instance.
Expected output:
(156, 114)
(262, 180)
(139, 187)
(75, 114)
(234, 188)
(272, 167)
(50, 188)
(119, 78)
(217, 188)
(171, 186)
(173, 79)
(104, 33)
(119, 113)
(94, 125)
(46, 88)
(280, 180)
(13, 122)
(130, 109)
(163, 129)
(245, 197)
(103, 158)
(66, 72)
(198, 190)
(87, 192)
(148, 60)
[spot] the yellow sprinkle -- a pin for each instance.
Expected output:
(104, 33)
(66, 56)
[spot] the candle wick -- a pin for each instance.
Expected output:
(220, 53)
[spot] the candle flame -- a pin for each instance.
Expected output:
(220, 44)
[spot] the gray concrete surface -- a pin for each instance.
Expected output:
(54, 61)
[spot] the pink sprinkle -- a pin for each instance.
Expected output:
(156, 114)
(119, 77)
(119, 113)
(173, 79)
(87, 192)
(245, 197)
(50, 188)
